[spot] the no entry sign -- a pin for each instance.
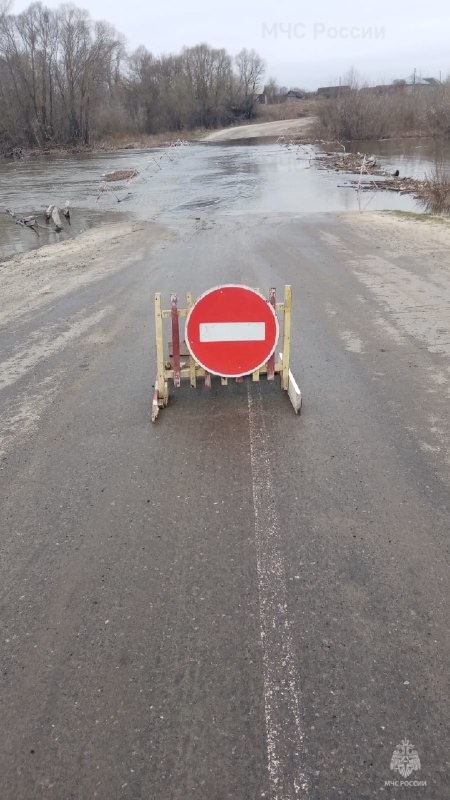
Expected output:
(231, 331)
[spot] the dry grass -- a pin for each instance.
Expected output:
(120, 175)
(291, 109)
(363, 114)
(145, 141)
(437, 189)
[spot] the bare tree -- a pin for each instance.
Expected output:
(64, 76)
(273, 91)
(88, 56)
(251, 68)
(209, 74)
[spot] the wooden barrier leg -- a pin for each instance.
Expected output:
(161, 392)
(286, 337)
(160, 376)
(271, 361)
(175, 341)
(192, 373)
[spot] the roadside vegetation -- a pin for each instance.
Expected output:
(399, 111)
(437, 189)
(67, 80)
(288, 109)
(365, 113)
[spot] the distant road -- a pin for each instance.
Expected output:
(258, 130)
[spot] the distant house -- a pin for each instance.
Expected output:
(386, 88)
(333, 91)
(413, 81)
(433, 82)
(295, 94)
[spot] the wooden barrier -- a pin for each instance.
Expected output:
(176, 364)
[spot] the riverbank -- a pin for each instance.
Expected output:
(259, 128)
(109, 144)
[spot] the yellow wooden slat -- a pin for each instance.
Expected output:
(286, 337)
(192, 373)
(160, 371)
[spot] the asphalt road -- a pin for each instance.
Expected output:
(234, 603)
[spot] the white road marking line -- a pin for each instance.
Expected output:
(284, 728)
(232, 331)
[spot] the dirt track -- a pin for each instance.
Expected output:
(261, 130)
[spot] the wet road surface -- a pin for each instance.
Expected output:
(235, 602)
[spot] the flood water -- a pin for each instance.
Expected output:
(191, 181)
(414, 158)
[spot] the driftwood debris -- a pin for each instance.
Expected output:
(51, 214)
(15, 153)
(120, 175)
(349, 162)
(57, 219)
(412, 186)
(371, 175)
(26, 222)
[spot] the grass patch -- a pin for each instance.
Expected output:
(417, 216)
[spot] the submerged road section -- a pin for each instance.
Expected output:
(235, 602)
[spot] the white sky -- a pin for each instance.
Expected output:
(304, 44)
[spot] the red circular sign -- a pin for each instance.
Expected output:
(231, 331)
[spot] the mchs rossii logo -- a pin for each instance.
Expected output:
(405, 760)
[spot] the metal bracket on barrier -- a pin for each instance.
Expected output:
(180, 365)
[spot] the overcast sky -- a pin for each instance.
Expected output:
(304, 44)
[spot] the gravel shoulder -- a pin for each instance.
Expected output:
(29, 281)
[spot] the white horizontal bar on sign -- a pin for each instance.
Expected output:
(232, 331)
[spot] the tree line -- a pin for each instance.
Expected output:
(66, 79)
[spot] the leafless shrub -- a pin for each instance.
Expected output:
(437, 189)
(438, 117)
(366, 114)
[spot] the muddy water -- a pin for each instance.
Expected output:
(177, 183)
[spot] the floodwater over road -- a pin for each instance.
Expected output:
(177, 183)
(414, 158)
